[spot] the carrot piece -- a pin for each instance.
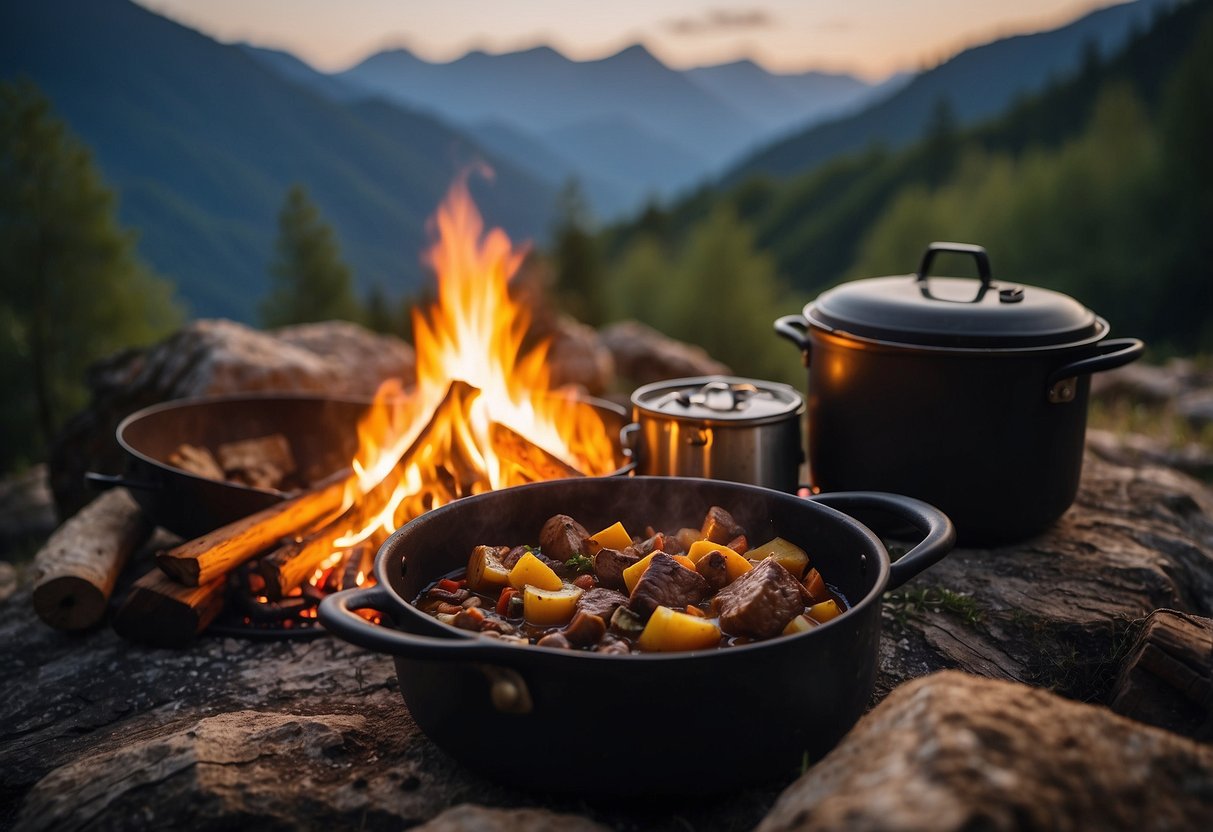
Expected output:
(503, 601)
(695, 611)
(447, 585)
(739, 544)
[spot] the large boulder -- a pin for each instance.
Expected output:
(643, 355)
(216, 357)
(957, 752)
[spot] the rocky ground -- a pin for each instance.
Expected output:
(1035, 640)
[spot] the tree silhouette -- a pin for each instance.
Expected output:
(71, 287)
(308, 279)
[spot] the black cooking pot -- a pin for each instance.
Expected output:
(599, 724)
(321, 431)
(971, 395)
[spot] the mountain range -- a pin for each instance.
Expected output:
(202, 139)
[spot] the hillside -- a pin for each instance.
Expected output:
(977, 84)
(202, 142)
(1098, 186)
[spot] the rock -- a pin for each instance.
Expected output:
(955, 752)
(1196, 407)
(1142, 382)
(578, 358)
(27, 511)
(1167, 679)
(213, 357)
(468, 818)
(8, 579)
(1134, 449)
(643, 355)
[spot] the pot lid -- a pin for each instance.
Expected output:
(953, 312)
(719, 399)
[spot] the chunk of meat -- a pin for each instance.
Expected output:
(666, 583)
(585, 629)
(609, 565)
(511, 558)
(647, 546)
(554, 640)
(715, 572)
(761, 602)
(562, 537)
(720, 527)
(612, 644)
(601, 602)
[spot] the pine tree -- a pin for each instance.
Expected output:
(71, 288)
(309, 281)
(579, 269)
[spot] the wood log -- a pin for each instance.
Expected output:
(203, 559)
(289, 565)
(161, 612)
(529, 457)
(1167, 679)
(74, 572)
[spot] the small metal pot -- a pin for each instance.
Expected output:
(971, 395)
(722, 428)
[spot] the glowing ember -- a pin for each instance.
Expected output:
(483, 414)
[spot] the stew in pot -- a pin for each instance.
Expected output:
(611, 592)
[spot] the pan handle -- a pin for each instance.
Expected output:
(338, 617)
(104, 482)
(796, 329)
(1109, 355)
(939, 535)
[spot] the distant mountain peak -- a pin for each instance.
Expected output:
(636, 54)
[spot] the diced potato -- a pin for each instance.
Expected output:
(799, 624)
(815, 585)
(685, 538)
(734, 564)
(485, 569)
(541, 606)
(669, 630)
(702, 547)
(531, 571)
(790, 556)
(613, 537)
(824, 611)
(632, 574)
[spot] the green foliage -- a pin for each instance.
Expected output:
(71, 288)
(309, 281)
(578, 259)
(715, 290)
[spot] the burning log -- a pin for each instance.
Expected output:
(74, 572)
(532, 461)
(289, 566)
(162, 612)
(203, 559)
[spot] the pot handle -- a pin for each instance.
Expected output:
(796, 329)
(104, 482)
(338, 617)
(939, 535)
(1109, 355)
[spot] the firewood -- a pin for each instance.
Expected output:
(288, 566)
(528, 456)
(74, 572)
(262, 462)
(1167, 680)
(196, 460)
(203, 559)
(162, 612)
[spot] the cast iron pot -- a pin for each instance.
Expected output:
(595, 724)
(321, 430)
(971, 395)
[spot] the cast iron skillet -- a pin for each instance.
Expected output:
(676, 723)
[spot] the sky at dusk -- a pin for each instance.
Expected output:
(872, 38)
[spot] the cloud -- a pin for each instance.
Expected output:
(719, 21)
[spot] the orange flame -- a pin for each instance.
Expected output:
(483, 414)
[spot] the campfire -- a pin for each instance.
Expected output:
(483, 415)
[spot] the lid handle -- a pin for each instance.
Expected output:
(928, 257)
(738, 394)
